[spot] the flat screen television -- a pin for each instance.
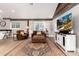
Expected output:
(65, 23)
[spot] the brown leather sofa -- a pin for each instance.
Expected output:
(21, 35)
(38, 38)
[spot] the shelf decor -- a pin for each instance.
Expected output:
(2, 23)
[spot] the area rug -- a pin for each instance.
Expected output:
(37, 49)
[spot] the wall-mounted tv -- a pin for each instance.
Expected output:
(65, 22)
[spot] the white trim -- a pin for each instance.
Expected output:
(77, 49)
(51, 35)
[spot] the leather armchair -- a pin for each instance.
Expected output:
(22, 35)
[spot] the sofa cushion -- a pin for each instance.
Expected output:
(38, 33)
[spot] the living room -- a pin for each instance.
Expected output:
(15, 27)
(30, 29)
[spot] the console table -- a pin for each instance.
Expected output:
(8, 31)
(66, 41)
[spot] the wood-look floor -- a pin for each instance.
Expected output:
(9, 47)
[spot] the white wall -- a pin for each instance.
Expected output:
(46, 23)
(23, 26)
(75, 18)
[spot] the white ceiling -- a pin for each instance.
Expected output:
(25, 10)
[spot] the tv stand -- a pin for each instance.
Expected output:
(66, 41)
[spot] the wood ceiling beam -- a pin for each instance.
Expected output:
(62, 8)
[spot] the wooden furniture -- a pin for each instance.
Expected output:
(38, 37)
(21, 35)
(67, 41)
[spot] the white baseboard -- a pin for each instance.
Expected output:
(48, 35)
(51, 35)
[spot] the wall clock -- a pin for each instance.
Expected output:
(2, 23)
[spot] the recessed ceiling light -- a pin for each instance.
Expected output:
(1, 11)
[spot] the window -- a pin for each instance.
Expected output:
(39, 27)
(15, 25)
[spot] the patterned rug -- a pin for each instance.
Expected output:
(37, 49)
